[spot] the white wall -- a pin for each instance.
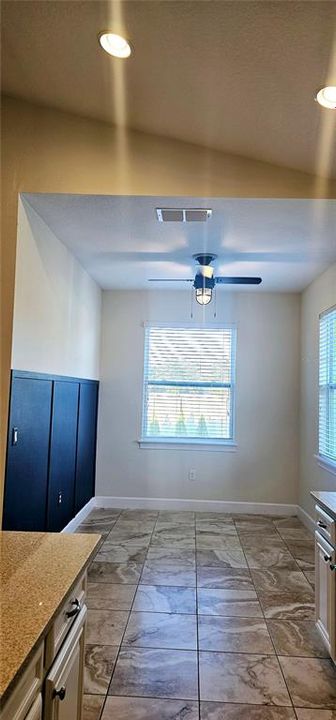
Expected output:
(265, 466)
(319, 296)
(57, 305)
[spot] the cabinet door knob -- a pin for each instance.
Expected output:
(327, 558)
(332, 566)
(321, 524)
(75, 611)
(60, 693)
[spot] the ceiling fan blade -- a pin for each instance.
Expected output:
(237, 280)
(170, 279)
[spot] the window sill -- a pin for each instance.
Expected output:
(210, 445)
(326, 464)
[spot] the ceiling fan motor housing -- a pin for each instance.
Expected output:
(203, 282)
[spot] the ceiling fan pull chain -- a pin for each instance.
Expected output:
(215, 306)
(191, 303)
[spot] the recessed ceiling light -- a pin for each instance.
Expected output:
(327, 97)
(115, 45)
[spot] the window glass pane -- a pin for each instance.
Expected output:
(327, 382)
(188, 383)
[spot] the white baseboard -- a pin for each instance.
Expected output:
(81, 515)
(306, 519)
(196, 505)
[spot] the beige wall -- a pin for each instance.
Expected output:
(48, 151)
(57, 305)
(264, 467)
(319, 296)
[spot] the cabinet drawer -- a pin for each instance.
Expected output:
(326, 525)
(24, 693)
(35, 712)
(64, 620)
(64, 682)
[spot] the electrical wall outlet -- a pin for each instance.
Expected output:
(192, 474)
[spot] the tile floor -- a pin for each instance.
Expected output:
(203, 616)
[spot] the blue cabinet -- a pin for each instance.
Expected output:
(51, 451)
(25, 502)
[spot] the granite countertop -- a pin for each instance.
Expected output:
(37, 572)
(326, 499)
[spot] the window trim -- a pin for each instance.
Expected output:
(324, 461)
(175, 443)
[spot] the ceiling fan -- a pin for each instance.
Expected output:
(205, 280)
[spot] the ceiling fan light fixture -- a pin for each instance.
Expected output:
(114, 44)
(203, 295)
(326, 97)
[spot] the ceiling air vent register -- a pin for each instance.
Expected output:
(183, 214)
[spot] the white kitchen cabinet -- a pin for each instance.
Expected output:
(64, 682)
(325, 594)
(35, 712)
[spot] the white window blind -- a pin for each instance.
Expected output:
(189, 383)
(327, 386)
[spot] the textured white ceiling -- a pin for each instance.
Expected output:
(237, 76)
(121, 243)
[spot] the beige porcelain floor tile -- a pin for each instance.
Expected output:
(254, 679)
(134, 525)
(95, 528)
(139, 515)
(99, 664)
(262, 528)
(172, 556)
(161, 630)
(310, 575)
(129, 537)
(177, 541)
(106, 596)
(216, 516)
(228, 578)
(105, 572)
(230, 603)
(157, 574)
(302, 553)
(288, 606)
(92, 707)
(120, 554)
(288, 522)
(227, 711)
(276, 558)
(156, 673)
(123, 708)
(305, 714)
(105, 627)
(162, 598)
(216, 528)
(296, 638)
(228, 634)
(260, 540)
(212, 541)
(169, 530)
(230, 557)
(280, 581)
(180, 516)
(104, 515)
(311, 681)
(296, 533)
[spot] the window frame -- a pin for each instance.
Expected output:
(189, 443)
(324, 461)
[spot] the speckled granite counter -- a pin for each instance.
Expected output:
(37, 571)
(326, 499)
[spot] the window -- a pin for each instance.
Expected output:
(327, 386)
(189, 384)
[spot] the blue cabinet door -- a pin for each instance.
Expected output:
(86, 444)
(25, 502)
(62, 464)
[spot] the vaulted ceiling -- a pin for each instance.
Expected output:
(236, 76)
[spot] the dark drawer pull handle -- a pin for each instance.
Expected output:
(332, 566)
(60, 693)
(75, 611)
(327, 558)
(321, 524)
